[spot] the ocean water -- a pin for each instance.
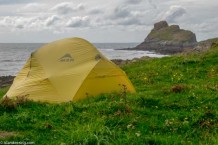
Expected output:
(14, 55)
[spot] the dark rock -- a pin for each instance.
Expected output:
(175, 28)
(121, 62)
(6, 81)
(160, 25)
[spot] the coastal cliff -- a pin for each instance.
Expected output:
(168, 39)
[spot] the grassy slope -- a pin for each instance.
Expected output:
(209, 41)
(176, 103)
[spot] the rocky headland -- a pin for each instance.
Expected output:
(167, 39)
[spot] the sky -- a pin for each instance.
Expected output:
(102, 21)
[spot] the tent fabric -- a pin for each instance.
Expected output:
(68, 70)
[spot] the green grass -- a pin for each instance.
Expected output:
(176, 103)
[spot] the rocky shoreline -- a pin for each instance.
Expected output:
(6, 81)
(202, 46)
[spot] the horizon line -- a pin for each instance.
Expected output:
(53, 41)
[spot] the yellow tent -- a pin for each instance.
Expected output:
(68, 70)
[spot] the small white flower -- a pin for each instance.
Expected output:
(138, 133)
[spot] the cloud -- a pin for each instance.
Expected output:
(20, 26)
(120, 12)
(20, 22)
(173, 13)
(32, 7)
(126, 16)
(96, 10)
(67, 8)
(63, 8)
(152, 4)
(78, 22)
(133, 1)
(16, 23)
(50, 21)
(8, 2)
(80, 7)
(67, 17)
(5, 21)
(129, 21)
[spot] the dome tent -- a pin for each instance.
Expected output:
(68, 70)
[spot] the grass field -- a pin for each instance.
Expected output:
(176, 103)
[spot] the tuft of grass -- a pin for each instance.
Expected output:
(176, 103)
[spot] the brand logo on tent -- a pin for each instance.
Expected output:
(66, 58)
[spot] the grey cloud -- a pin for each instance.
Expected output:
(78, 22)
(8, 2)
(152, 4)
(15, 22)
(32, 23)
(121, 12)
(130, 21)
(125, 16)
(96, 11)
(67, 7)
(20, 26)
(32, 7)
(80, 7)
(63, 8)
(133, 1)
(6, 21)
(51, 20)
(173, 13)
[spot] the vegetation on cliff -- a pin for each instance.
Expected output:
(171, 33)
(176, 103)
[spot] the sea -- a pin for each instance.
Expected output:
(14, 55)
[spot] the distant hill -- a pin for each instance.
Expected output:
(168, 39)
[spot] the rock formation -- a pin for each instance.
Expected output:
(168, 39)
(6, 81)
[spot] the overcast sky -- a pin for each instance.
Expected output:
(102, 21)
